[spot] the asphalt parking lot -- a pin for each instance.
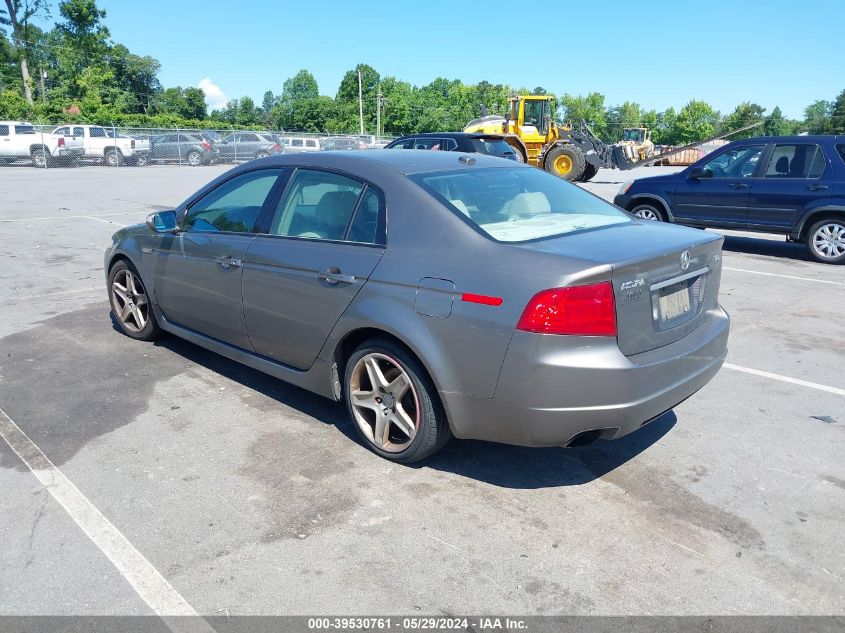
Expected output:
(242, 495)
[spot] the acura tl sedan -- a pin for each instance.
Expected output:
(438, 294)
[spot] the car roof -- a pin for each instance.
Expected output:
(405, 162)
(809, 138)
(450, 135)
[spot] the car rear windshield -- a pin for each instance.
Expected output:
(519, 204)
(493, 147)
(841, 150)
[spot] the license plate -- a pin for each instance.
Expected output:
(674, 303)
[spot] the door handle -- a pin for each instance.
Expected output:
(738, 185)
(817, 187)
(227, 262)
(334, 276)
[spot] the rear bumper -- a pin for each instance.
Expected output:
(70, 151)
(552, 388)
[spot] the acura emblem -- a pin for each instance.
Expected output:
(684, 260)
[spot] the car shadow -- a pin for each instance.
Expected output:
(768, 247)
(497, 464)
(527, 468)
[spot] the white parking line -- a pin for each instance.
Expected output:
(147, 581)
(91, 217)
(69, 217)
(795, 381)
(760, 272)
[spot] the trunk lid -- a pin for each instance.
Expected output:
(665, 278)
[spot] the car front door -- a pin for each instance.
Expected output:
(162, 147)
(198, 271)
(320, 246)
(720, 198)
(791, 182)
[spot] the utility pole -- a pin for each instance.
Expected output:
(378, 113)
(43, 88)
(360, 103)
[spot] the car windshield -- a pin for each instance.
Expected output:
(519, 204)
(493, 147)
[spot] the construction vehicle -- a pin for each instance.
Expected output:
(573, 154)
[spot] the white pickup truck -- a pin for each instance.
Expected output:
(19, 139)
(100, 145)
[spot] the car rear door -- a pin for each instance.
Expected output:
(198, 272)
(721, 198)
(6, 145)
(319, 246)
(791, 182)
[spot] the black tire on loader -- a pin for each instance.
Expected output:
(589, 172)
(565, 161)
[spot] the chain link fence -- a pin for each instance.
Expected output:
(74, 144)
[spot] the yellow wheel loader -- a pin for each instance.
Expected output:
(573, 154)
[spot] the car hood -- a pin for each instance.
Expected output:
(662, 178)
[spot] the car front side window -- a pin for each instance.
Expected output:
(738, 162)
(234, 206)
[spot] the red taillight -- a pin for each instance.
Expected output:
(206, 145)
(576, 310)
(277, 147)
(61, 141)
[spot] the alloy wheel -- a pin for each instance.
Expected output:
(829, 240)
(647, 213)
(384, 402)
(130, 301)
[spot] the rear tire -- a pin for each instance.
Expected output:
(262, 154)
(142, 160)
(393, 403)
(589, 172)
(565, 161)
(826, 241)
(41, 158)
(194, 158)
(113, 158)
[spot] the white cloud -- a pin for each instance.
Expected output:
(215, 98)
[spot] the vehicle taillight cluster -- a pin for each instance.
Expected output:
(577, 310)
(206, 145)
(277, 147)
(61, 141)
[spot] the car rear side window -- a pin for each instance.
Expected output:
(24, 129)
(97, 132)
(796, 161)
(234, 205)
(317, 205)
(841, 150)
(493, 147)
(428, 143)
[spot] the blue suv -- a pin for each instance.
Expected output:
(792, 185)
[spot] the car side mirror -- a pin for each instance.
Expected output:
(163, 222)
(698, 173)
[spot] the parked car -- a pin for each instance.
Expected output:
(181, 147)
(246, 146)
(491, 145)
(341, 142)
(19, 139)
(103, 145)
(790, 185)
(555, 340)
(301, 144)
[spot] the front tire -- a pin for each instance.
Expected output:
(826, 241)
(565, 161)
(142, 160)
(393, 403)
(130, 303)
(647, 211)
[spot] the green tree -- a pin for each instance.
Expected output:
(776, 124)
(590, 109)
(696, 121)
(347, 97)
(746, 113)
(837, 124)
(136, 76)
(817, 117)
(629, 114)
(194, 107)
(297, 89)
(17, 15)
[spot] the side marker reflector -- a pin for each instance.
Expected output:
(482, 299)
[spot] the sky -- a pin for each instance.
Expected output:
(658, 53)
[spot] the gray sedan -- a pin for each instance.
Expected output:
(438, 294)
